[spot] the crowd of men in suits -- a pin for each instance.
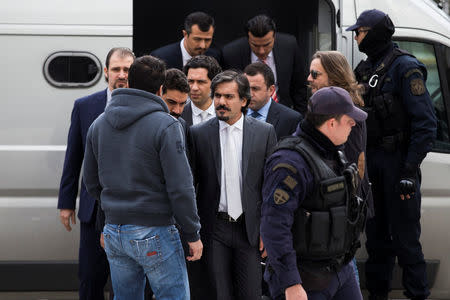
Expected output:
(230, 122)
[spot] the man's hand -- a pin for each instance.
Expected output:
(65, 215)
(195, 250)
(102, 240)
(295, 292)
(262, 249)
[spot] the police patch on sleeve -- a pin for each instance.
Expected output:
(280, 196)
(285, 166)
(290, 182)
(417, 86)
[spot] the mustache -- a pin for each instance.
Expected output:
(219, 107)
(175, 115)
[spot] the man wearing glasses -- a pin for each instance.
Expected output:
(401, 128)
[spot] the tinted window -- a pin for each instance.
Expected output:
(72, 69)
(426, 54)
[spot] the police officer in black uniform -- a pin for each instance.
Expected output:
(311, 218)
(401, 128)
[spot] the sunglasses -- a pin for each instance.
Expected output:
(315, 74)
(358, 31)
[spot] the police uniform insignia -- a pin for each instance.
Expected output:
(361, 164)
(417, 87)
(286, 166)
(280, 196)
(290, 182)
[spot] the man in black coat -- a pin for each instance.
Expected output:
(263, 107)
(197, 38)
(279, 51)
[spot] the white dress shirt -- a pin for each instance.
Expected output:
(238, 134)
(209, 113)
(108, 96)
(185, 55)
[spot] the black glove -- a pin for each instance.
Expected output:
(407, 185)
(352, 178)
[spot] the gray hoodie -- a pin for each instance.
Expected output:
(135, 164)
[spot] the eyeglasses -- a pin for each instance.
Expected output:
(315, 74)
(358, 31)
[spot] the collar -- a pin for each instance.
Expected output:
(108, 95)
(185, 55)
(196, 111)
(263, 111)
(239, 124)
(255, 58)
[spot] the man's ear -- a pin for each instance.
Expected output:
(159, 92)
(185, 34)
(105, 70)
(271, 89)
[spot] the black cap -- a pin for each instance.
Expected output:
(335, 101)
(368, 18)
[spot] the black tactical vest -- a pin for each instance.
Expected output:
(387, 123)
(326, 227)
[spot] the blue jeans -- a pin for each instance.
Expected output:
(135, 251)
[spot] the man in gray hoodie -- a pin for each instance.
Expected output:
(136, 167)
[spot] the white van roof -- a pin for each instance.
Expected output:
(406, 14)
(102, 17)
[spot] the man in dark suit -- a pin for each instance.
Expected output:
(93, 265)
(262, 106)
(227, 157)
(197, 38)
(200, 71)
(279, 51)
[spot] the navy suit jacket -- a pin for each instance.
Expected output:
(283, 119)
(85, 111)
(291, 75)
(171, 54)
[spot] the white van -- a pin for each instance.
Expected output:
(53, 52)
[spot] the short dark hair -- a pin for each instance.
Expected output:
(201, 19)
(263, 69)
(122, 51)
(260, 25)
(147, 73)
(175, 80)
(202, 61)
(317, 119)
(241, 81)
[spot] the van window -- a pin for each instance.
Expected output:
(72, 69)
(425, 53)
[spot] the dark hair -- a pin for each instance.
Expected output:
(202, 61)
(263, 69)
(317, 120)
(147, 73)
(260, 25)
(122, 51)
(175, 80)
(203, 20)
(241, 81)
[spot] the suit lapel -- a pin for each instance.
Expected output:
(187, 114)
(279, 62)
(213, 134)
(272, 115)
(247, 142)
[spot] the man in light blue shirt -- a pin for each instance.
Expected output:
(262, 107)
